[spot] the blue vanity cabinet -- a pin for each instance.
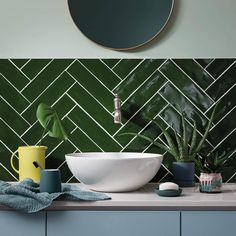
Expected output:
(113, 223)
(209, 223)
(13, 223)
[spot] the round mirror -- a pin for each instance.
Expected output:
(120, 24)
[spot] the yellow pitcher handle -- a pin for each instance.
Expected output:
(12, 165)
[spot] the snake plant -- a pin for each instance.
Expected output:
(50, 121)
(182, 148)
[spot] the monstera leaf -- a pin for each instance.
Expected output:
(49, 119)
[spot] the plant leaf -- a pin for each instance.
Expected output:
(185, 139)
(180, 146)
(48, 118)
(170, 142)
(149, 140)
(194, 138)
(207, 129)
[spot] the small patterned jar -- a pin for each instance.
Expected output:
(210, 182)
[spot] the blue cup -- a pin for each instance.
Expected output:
(50, 181)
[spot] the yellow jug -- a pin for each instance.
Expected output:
(28, 154)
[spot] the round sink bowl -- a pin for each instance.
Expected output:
(114, 171)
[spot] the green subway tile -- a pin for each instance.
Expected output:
(93, 108)
(204, 62)
(20, 62)
(56, 157)
(5, 161)
(218, 66)
(12, 96)
(228, 144)
(12, 74)
(223, 84)
(226, 104)
(137, 77)
(12, 118)
(9, 137)
(32, 68)
(224, 127)
(188, 88)
(110, 62)
(143, 94)
(92, 85)
(83, 142)
(102, 73)
(46, 78)
(192, 69)
(66, 174)
(52, 94)
(141, 119)
(125, 66)
(177, 100)
(93, 130)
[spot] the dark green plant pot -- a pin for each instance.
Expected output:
(183, 173)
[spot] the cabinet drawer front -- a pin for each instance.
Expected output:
(210, 223)
(115, 223)
(21, 224)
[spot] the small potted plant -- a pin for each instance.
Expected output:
(49, 120)
(183, 146)
(210, 167)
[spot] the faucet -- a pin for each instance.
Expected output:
(117, 111)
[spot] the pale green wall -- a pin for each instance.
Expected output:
(43, 28)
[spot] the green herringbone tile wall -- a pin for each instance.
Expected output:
(82, 91)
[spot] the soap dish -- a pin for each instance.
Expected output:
(169, 192)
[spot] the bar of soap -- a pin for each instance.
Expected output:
(168, 186)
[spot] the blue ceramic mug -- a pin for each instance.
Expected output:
(50, 181)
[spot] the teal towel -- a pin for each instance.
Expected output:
(25, 196)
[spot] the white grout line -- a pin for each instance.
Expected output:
(19, 70)
(93, 120)
(186, 119)
(159, 181)
(140, 109)
(89, 93)
(202, 90)
(14, 109)
(128, 74)
(2, 164)
(52, 105)
(222, 118)
(143, 130)
(116, 64)
(52, 149)
(208, 73)
(70, 179)
(48, 87)
(96, 77)
(220, 75)
(25, 64)
(220, 98)
(223, 139)
(77, 127)
(110, 69)
(37, 75)
(13, 130)
(8, 171)
(209, 64)
(15, 88)
(185, 95)
(143, 82)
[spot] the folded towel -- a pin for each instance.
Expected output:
(25, 196)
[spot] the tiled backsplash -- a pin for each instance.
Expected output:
(82, 91)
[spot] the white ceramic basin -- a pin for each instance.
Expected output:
(114, 171)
